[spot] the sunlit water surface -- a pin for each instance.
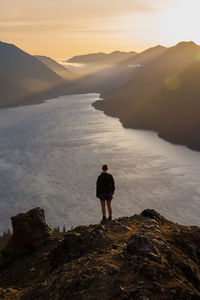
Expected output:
(51, 155)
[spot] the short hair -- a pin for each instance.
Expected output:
(105, 167)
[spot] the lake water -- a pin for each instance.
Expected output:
(51, 155)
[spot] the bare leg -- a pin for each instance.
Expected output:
(103, 207)
(109, 208)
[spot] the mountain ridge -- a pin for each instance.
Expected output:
(138, 90)
(55, 67)
(101, 57)
(135, 102)
(23, 75)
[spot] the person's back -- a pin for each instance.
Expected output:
(105, 188)
(105, 183)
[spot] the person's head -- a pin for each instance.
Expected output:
(105, 168)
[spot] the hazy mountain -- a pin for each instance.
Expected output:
(162, 95)
(105, 79)
(176, 113)
(102, 58)
(56, 67)
(23, 75)
(10, 91)
(144, 56)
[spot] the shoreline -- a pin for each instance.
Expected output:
(101, 105)
(42, 98)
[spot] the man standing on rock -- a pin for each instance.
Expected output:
(105, 188)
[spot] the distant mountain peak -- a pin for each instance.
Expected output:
(101, 58)
(186, 43)
(43, 56)
(116, 51)
(12, 47)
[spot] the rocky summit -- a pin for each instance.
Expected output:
(143, 257)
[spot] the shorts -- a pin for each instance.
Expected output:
(105, 196)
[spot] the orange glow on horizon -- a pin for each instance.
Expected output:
(63, 29)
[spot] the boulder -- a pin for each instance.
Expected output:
(141, 243)
(153, 214)
(30, 231)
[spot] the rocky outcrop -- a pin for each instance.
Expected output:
(30, 230)
(142, 257)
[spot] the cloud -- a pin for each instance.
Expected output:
(74, 9)
(72, 15)
(56, 26)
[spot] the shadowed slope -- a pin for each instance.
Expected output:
(23, 75)
(175, 113)
(102, 58)
(56, 67)
(144, 56)
(150, 101)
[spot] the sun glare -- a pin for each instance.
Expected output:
(183, 22)
(172, 83)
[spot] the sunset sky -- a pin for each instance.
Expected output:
(63, 28)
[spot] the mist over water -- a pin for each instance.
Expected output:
(51, 155)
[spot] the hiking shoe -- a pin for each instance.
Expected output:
(103, 219)
(110, 218)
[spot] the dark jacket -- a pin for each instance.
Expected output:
(105, 184)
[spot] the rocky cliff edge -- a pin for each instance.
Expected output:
(143, 257)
